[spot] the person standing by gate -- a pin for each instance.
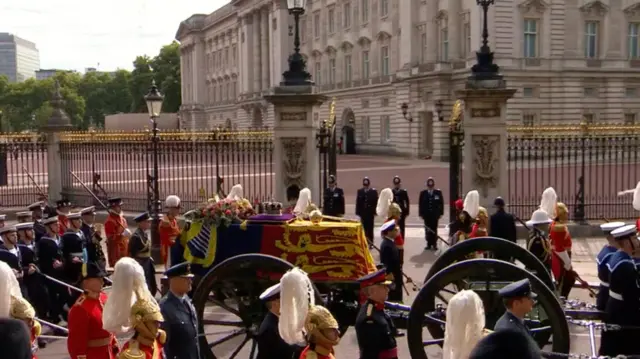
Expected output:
(170, 231)
(502, 224)
(366, 201)
(333, 203)
(117, 231)
(431, 208)
(401, 197)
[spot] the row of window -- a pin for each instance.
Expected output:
(590, 91)
(530, 119)
(330, 73)
(348, 13)
(221, 92)
(222, 58)
(385, 129)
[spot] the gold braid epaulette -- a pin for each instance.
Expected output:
(132, 352)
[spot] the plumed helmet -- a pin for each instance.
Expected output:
(636, 196)
(539, 216)
(236, 193)
(482, 213)
(296, 298)
(472, 203)
(465, 317)
(394, 210)
(172, 201)
(22, 309)
(319, 318)
(561, 210)
(549, 200)
(384, 201)
(304, 200)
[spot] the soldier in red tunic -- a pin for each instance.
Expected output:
(479, 228)
(143, 317)
(561, 250)
(63, 207)
(87, 337)
(117, 231)
(169, 229)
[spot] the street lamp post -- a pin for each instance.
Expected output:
(297, 74)
(485, 69)
(154, 105)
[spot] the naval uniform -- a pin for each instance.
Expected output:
(38, 230)
(49, 251)
(72, 244)
(431, 208)
(13, 258)
(390, 258)
(375, 332)
(366, 202)
(602, 260)
(333, 201)
(140, 250)
(33, 283)
(93, 244)
(401, 197)
(508, 321)
(270, 344)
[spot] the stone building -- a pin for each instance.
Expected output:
(570, 60)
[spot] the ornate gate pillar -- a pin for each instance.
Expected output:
(485, 142)
(295, 152)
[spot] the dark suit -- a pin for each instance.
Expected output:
(333, 202)
(140, 250)
(366, 202)
(390, 258)
(181, 325)
(503, 225)
(431, 208)
(401, 197)
(270, 344)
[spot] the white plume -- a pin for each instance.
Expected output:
(636, 197)
(128, 279)
(384, 201)
(296, 296)
(465, 324)
(236, 193)
(8, 287)
(549, 201)
(172, 201)
(304, 200)
(472, 203)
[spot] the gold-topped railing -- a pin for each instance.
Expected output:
(221, 135)
(573, 129)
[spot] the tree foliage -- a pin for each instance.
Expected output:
(90, 97)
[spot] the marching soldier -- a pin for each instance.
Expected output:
(72, 243)
(170, 230)
(63, 207)
(93, 238)
(390, 258)
(270, 344)
(36, 217)
(401, 197)
(140, 250)
(470, 210)
(10, 253)
(51, 264)
(366, 201)
(87, 338)
(519, 300)
(23, 217)
(624, 294)
(502, 224)
(602, 261)
(36, 292)
(333, 203)
(431, 208)
(374, 328)
(561, 251)
(117, 231)
(180, 321)
(538, 243)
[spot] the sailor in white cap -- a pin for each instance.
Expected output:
(72, 243)
(602, 259)
(51, 263)
(270, 344)
(390, 258)
(624, 294)
(23, 217)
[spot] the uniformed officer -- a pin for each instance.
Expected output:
(72, 243)
(502, 224)
(23, 217)
(538, 243)
(87, 338)
(10, 253)
(169, 231)
(180, 322)
(333, 203)
(36, 216)
(456, 223)
(374, 328)
(14, 339)
(36, 292)
(401, 197)
(519, 300)
(92, 237)
(270, 344)
(366, 201)
(63, 208)
(390, 258)
(506, 344)
(51, 264)
(602, 260)
(431, 208)
(624, 294)
(140, 250)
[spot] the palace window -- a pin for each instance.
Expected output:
(316, 25)
(384, 8)
(332, 20)
(423, 47)
(347, 15)
(530, 38)
(318, 70)
(347, 67)
(332, 71)
(384, 60)
(467, 39)
(634, 40)
(385, 125)
(591, 39)
(629, 119)
(303, 30)
(365, 11)
(366, 129)
(444, 41)
(365, 64)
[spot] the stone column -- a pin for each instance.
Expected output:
(453, 29)
(432, 32)
(56, 167)
(244, 69)
(257, 53)
(408, 49)
(264, 47)
(485, 142)
(295, 148)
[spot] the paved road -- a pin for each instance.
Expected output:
(417, 265)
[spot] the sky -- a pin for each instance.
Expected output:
(108, 35)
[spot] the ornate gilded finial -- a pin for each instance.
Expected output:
(59, 121)
(456, 115)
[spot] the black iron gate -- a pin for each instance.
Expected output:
(456, 143)
(327, 140)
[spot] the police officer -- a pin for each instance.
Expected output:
(506, 344)
(431, 208)
(180, 321)
(333, 203)
(624, 294)
(140, 250)
(270, 344)
(502, 224)
(390, 259)
(401, 197)
(366, 201)
(374, 328)
(518, 300)
(602, 260)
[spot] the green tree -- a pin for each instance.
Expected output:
(141, 78)
(166, 71)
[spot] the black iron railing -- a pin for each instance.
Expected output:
(23, 168)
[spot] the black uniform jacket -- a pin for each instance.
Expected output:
(93, 245)
(72, 244)
(38, 230)
(333, 202)
(366, 203)
(431, 205)
(510, 321)
(401, 197)
(376, 332)
(181, 325)
(49, 251)
(503, 225)
(390, 258)
(270, 344)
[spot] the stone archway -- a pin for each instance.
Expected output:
(348, 132)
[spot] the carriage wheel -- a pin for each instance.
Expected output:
(485, 277)
(499, 248)
(228, 305)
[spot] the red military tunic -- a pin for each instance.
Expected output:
(117, 244)
(87, 339)
(150, 351)
(169, 232)
(308, 353)
(63, 224)
(560, 242)
(638, 225)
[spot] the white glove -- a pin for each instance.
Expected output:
(566, 261)
(126, 232)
